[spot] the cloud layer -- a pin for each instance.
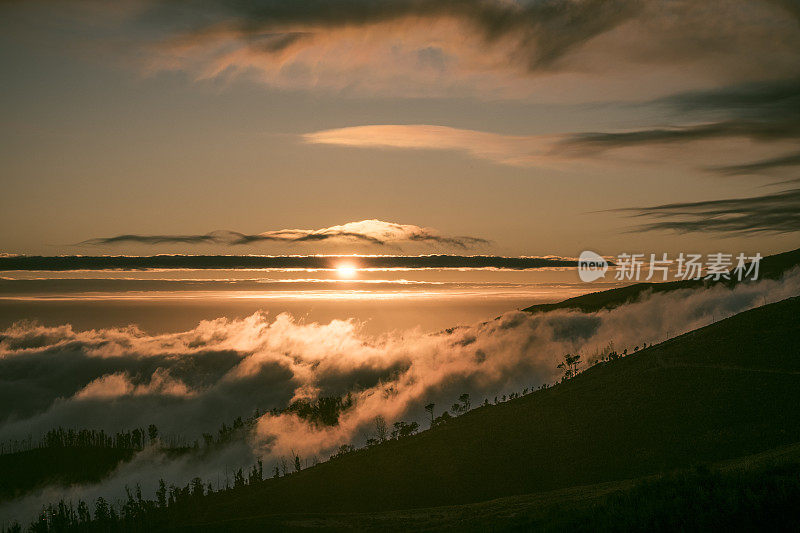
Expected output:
(371, 232)
(489, 46)
(485, 48)
(372, 45)
(329, 262)
(189, 382)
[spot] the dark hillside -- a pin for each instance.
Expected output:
(721, 392)
(24, 471)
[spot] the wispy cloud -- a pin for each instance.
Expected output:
(503, 149)
(772, 98)
(773, 213)
(484, 48)
(545, 30)
(371, 232)
(377, 45)
(487, 48)
(758, 167)
(208, 238)
(765, 112)
(755, 130)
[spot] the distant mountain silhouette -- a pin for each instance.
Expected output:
(771, 267)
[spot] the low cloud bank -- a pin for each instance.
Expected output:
(211, 262)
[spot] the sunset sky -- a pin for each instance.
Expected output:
(492, 126)
(274, 231)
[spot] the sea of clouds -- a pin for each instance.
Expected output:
(190, 382)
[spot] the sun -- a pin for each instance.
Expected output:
(346, 270)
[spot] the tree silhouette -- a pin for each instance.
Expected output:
(297, 465)
(429, 408)
(152, 433)
(465, 402)
(161, 493)
(404, 429)
(442, 419)
(570, 365)
(381, 429)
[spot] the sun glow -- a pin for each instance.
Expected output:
(346, 270)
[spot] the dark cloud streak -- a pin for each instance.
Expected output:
(768, 111)
(773, 213)
(756, 130)
(372, 232)
(757, 167)
(546, 29)
(227, 262)
(773, 98)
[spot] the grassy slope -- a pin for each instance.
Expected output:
(750, 493)
(771, 267)
(721, 392)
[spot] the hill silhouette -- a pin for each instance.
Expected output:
(771, 267)
(719, 393)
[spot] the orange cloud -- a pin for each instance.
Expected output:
(516, 150)
(119, 384)
(486, 48)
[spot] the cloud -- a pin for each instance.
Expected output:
(755, 130)
(123, 262)
(790, 6)
(502, 149)
(347, 42)
(209, 238)
(773, 98)
(773, 213)
(758, 167)
(119, 384)
(121, 378)
(491, 47)
(372, 232)
(553, 49)
(765, 111)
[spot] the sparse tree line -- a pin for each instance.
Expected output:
(324, 411)
(171, 502)
(570, 363)
(762, 498)
(135, 439)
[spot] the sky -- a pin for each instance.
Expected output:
(534, 129)
(399, 126)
